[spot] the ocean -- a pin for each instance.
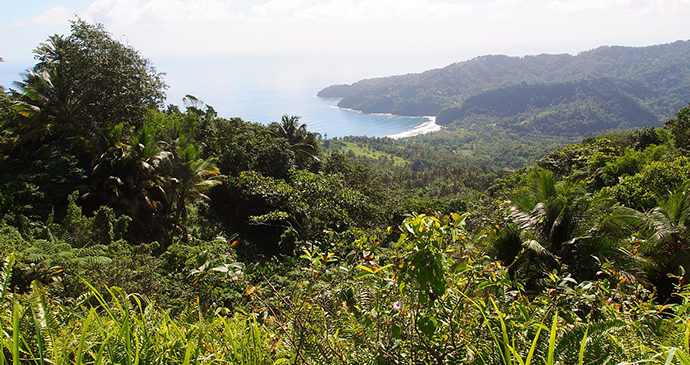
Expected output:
(320, 115)
(263, 90)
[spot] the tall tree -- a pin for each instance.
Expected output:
(190, 177)
(680, 128)
(556, 226)
(49, 106)
(129, 177)
(662, 237)
(113, 82)
(303, 143)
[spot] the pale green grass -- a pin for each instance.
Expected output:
(344, 148)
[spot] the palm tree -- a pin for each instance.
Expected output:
(191, 176)
(129, 177)
(556, 227)
(302, 142)
(48, 107)
(661, 236)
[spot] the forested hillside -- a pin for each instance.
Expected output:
(654, 80)
(133, 232)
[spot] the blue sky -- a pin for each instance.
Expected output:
(341, 40)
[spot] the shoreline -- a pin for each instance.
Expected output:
(428, 126)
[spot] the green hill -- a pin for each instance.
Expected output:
(654, 80)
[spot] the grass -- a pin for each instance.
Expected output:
(127, 329)
(346, 147)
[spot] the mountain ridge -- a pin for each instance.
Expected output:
(656, 77)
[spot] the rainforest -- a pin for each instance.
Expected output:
(527, 231)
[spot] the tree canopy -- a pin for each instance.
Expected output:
(108, 82)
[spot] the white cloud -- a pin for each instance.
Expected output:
(300, 10)
(128, 12)
(229, 28)
(57, 15)
(585, 5)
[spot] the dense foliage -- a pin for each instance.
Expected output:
(140, 234)
(656, 74)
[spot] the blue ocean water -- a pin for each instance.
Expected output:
(263, 90)
(320, 115)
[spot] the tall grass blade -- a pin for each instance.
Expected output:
(128, 341)
(15, 333)
(82, 340)
(101, 300)
(488, 324)
(671, 354)
(507, 356)
(188, 354)
(534, 345)
(686, 338)
(583, 345)
(98, 360)
(39, 336)
(683, 357)
(552, 341)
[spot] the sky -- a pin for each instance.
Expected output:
(297, 43)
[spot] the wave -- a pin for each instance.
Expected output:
(427, 127)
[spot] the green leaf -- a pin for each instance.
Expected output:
(397, 331)
(369, 270)
(427, 325)
(552, 341)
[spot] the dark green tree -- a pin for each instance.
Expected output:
(662, 237)
(49, 107)
(303, 143)
(129, 177)
(557, 228)
(111, 80)
(191, 176)
(680, 128)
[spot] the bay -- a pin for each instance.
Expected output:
(263, 90)
(320, 115)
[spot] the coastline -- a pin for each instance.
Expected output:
(427, 127)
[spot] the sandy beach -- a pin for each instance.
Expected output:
(427, 127)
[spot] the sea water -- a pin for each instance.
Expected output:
(320, 115)
(263, 90)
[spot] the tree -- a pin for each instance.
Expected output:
(680, 128)
(662, 237)
(303, 143)
(191, 176)
(49, 106)
(111, 80)
(556, 225)
(129, 178)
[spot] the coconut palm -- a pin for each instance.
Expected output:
(129, 177)
(302, 142)
(556, 228)
(190, 177)
(660, 236)
(48, 107)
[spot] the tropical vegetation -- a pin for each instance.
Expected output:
(133, 232)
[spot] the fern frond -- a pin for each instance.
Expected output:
(6, 275)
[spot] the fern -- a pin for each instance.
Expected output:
(572, 338)
(6, 275)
